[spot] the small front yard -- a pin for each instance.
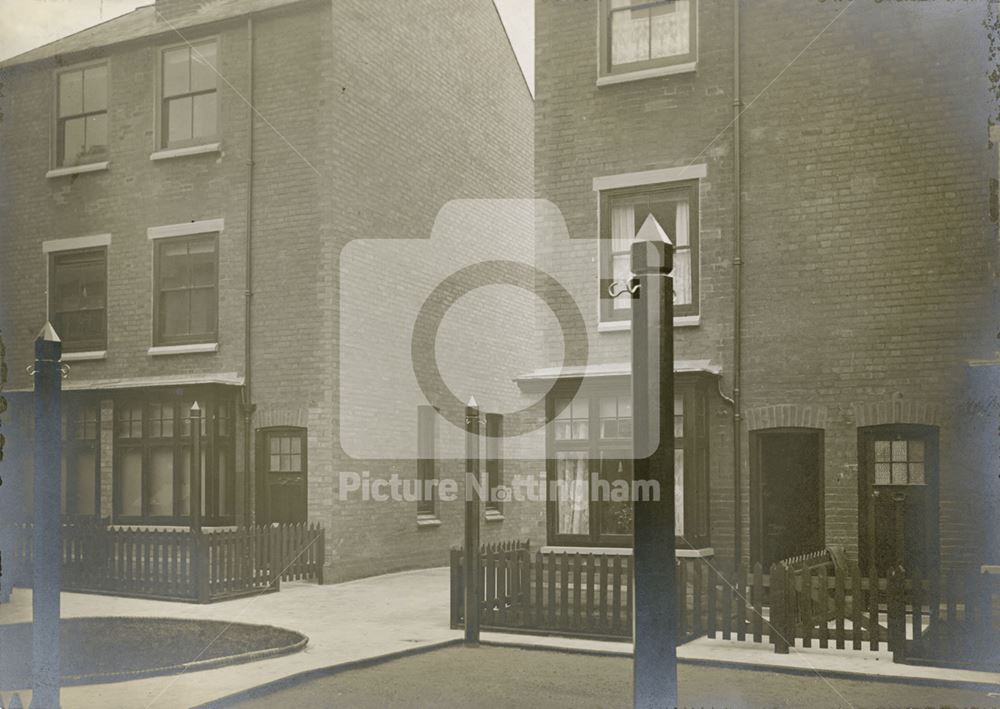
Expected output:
(97, 650)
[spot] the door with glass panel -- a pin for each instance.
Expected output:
(283, 472)
(898, 473)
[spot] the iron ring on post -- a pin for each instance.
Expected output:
(465, 280)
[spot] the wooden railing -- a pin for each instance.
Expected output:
(173, 564)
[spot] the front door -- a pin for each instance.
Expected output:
(282, 472)
(899, 463)
(786, 505)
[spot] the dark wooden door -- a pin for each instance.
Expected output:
(282, 474)
(786, 511)
(900, 463)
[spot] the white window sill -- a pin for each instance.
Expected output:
(84, 356)
(494, 516)
(77, 169)
(626, 551)
(626, 325)
(183, 349)
(189, 150)
(428, 521)
(651, 73)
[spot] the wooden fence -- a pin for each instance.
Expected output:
(579, 594)
(817, 600)
(174, 564)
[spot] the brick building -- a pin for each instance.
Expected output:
(186, 247)
(824, 172)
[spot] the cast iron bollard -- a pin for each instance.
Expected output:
(654, 630)
(472, 524)
(47, 536)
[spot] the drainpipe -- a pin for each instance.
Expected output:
(737, 292)
(248, 407)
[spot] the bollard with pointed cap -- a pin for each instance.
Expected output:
(472, 523)
(654, 624)
(46, 530)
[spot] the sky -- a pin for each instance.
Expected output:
(26, 24)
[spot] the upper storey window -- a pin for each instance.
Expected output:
(82, 109)
(190, 98)
(658, 36)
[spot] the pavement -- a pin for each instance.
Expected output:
(370, 618)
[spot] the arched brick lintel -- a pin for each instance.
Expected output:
(270, 417)
(897, 410)
(786, 415)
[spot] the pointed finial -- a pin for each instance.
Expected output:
(48, 333)
(195, 408)
(652, 231)
(472, 403)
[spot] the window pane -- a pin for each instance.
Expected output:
(562, 409)
(917, 451)
(175, 308)
(97, 135)
(73, 140)
(882, 474)
(682, 277)
(679, 492)
(202, 262)
(573, 500)
(916, 473)
(174, 266)
(205, 108)
(203, 75)
(130, 422)
(86, 481)
(175, 72)
(95, 89)
(161, 482)
(898, 451)
(899, 476)
(670, 29)
(179, 119)
(203, 311)
(882, 451)
(622, 228)
(616, 514)
(70, 93)
(131, 484)
(629, 36)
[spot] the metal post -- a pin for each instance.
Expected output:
(47, 535)
(655, 665)
(472, 523)
(195, 467)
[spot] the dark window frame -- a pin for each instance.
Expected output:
(606, 68)
(215, 443)
(607, 312)
(71, 344)
(159, 338)
(61, 121)
(164, 100)
(694, 392)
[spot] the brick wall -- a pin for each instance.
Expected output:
(867, 244)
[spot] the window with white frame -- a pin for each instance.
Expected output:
(82, 116)
(639, 35)
(185, 305)
(189, 92)
(78, 298)
(670, 210)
